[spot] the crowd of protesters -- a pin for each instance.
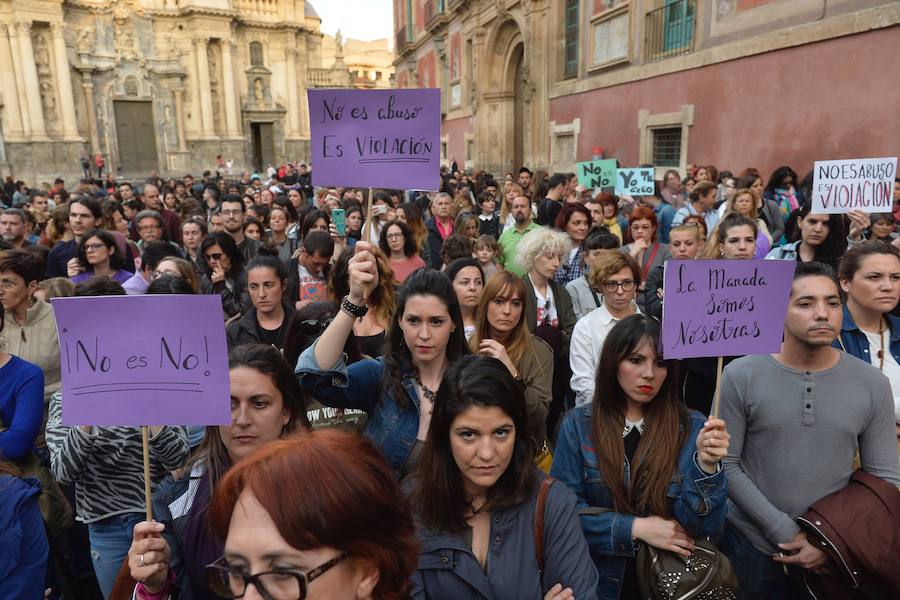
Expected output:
(454, 394)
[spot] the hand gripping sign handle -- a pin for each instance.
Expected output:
(145, 435)
(716, 396)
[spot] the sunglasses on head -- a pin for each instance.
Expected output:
(314, 327)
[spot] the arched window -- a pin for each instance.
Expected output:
(256, 54)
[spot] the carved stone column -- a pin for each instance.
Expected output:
(292, 120)
(179, 118)
(87, 87)
(10, 90)
(29, 75)
(64, 81)
(204, 99)
(231, 117)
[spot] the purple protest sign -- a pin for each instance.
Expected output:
(724, 307)
(143, 360)
(376, 138)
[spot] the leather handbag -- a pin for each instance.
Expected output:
(706, 574)
(539, 510)
(665, 575)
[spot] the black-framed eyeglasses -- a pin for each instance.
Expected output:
(285, 584)
(613, 286)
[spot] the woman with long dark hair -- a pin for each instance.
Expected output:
(411, 214)
(168, 555)
(638, 451)
(817, 237)
(475, 494)
(222, 265)
(425, 336)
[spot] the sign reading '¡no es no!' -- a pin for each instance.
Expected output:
(150, 360)
(724, 307)
(866, 184)
(376, 138)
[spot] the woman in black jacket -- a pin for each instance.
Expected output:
(267, 322)
(223, 272)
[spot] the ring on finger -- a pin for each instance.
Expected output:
(143, 564)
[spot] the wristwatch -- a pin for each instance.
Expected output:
(357, 312)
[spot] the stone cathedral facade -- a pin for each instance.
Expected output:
(159, 86)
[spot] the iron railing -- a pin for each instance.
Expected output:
(669, 30)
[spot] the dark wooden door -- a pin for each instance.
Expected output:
(136, 137)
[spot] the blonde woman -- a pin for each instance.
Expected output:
(511, 192)
(744, 203)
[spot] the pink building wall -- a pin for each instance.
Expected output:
(455, 130)
(838, 98)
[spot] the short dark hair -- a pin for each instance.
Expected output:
(90, 204)
(456, 246)
(558, 179)
(525, 170)
(318, 242)
(99, 286)
(152, 253)
(459, 264)
(233, 198)
(170, 284)
(601, 238)
(815, 269)
(27, 265)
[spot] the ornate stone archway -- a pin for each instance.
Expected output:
(501, 112)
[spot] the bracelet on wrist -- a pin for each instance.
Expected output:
(353, 310)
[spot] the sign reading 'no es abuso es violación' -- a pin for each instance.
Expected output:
(376, 138)
(150, 360)
(724, 307)
(865, 184)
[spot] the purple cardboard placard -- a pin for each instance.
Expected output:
(724, 307)
(376, 138)
(143, 360)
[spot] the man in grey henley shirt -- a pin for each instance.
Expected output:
(796, 420)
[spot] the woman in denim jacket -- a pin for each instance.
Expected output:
(676, 491)
(474, 497)
(396, 391)
(870, 278)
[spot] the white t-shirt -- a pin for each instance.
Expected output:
(890, 369)
(546, 307)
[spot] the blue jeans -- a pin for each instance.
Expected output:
(758, 575)
(110, 541)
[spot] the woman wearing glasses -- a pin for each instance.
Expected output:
(399, 245)
(352, 539)
(180, 268)
(167, 556)
(223, 266)
(618, 277)
(98, 255)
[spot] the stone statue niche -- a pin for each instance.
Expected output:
(259, 78)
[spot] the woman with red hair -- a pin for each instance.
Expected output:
(312, 517)
(643, 246)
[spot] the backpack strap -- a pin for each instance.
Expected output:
(539, 510)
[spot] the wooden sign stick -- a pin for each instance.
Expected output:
(716, 396)
(145, 435)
